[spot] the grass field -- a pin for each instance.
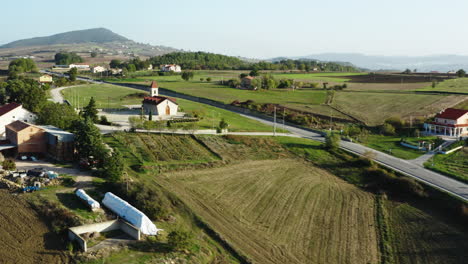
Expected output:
(419, 237)
(374, 108)
(459, 85)
(276, 211)
(454, 164)
(387, 143)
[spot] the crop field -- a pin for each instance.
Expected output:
(382, 87)
(454, 164)
(25, 238)
(459, 85)
(374, 108)
(282, 211)
(419, 238)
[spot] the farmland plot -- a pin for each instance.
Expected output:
(282, 211)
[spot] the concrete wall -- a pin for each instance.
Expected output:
(75, 232)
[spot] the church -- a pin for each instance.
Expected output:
(159, 106)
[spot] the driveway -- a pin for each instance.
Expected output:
(83, 178)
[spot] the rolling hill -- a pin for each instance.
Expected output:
(96, 35)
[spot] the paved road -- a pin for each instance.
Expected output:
(408, 168)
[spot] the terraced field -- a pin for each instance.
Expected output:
(282, 211)
(454, 164)
(24, 236)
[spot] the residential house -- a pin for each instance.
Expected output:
(98, 69)
(246, 82)
(150, 67)
(159, 106)
(449, 122)
(27, 138)
(46, 78)
(11, 112)
(171, 68)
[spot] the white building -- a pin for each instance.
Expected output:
(98, 69)
(450, 122)
(12, 112)
(171, 68)
(79, 66)
(159, 106)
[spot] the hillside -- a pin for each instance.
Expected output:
(97, 35)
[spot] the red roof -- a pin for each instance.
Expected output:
(249, 77)
(154, 84)
(8, 107)
(157, 100)
(452, 113)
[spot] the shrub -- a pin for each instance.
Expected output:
(103, 121)
(332, 141)
(388, 129)
(9, 164)
(179, 240)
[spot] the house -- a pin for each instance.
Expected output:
(171, 68)
(116, 71)
(98, 69)
(46, 78)
(159, 106)
(12, 112)
(246, 82)
(150, 67)
(26, 137)
(450, 122)
(40, 140)
(79, 66)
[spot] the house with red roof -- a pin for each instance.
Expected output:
(449, 122)
(159, 106)
(12, 112)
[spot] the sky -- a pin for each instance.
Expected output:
(256, 28)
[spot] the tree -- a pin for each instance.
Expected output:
(9, 164)
(21, 65)
(186, 75)
(72, 73)
(434, 84)
(26, 92)
(59, 115)
(93, 54)
(461, 73)
(388, 129)
(150, 116)
(332, 141)
(223, 124)
(115, 64)
(179, 240)
(243, 75)
(90, 111)
(254, 73)
(131, 68)
(407, 71)
(113, 166)
(67, 58)
(208, 79)
(88, 139)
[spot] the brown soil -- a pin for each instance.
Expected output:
(396, 78)
(24, 237)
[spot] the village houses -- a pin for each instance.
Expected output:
(171, 68)
(46, 78)
(449, 122)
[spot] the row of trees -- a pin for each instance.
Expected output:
(19, 66)
(66, 58)
(133, 65)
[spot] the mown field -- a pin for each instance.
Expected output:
(282, 211)
(24, 237)
(374, 108)
(459, 85)
(454, 164)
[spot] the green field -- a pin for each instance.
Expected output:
(391, 145)
(459, 85)
(374, 108)
(454, 164)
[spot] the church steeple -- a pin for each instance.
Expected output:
(154, 89)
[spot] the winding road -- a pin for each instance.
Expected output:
(410, 168)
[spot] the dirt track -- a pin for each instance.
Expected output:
(24, 238)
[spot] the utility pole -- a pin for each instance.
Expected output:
(274, 122)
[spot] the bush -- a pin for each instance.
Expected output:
(9, 164)
(382, 180)
(388, 129)
(179, 240)
(332, 141)
(103, 121)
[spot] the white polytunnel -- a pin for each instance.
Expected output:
(130, 214)
(84, 196)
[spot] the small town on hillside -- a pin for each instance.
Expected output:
(183, 143)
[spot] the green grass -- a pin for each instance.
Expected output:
(454, 165)
(106, 95)
(385, 143)
(317, 77)
(459, 85)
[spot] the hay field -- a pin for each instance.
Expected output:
(282, 211)
(374, 108)
(25, 238)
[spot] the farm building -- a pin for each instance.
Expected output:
(159, 106)
(98, 69)
(171, 68)
(246, 82)
(46, 78)
(450, 122)
(12, 112)
(49, 141)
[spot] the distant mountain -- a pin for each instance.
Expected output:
(96, 35)
(442, 63)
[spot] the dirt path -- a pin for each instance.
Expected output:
(83, 179)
